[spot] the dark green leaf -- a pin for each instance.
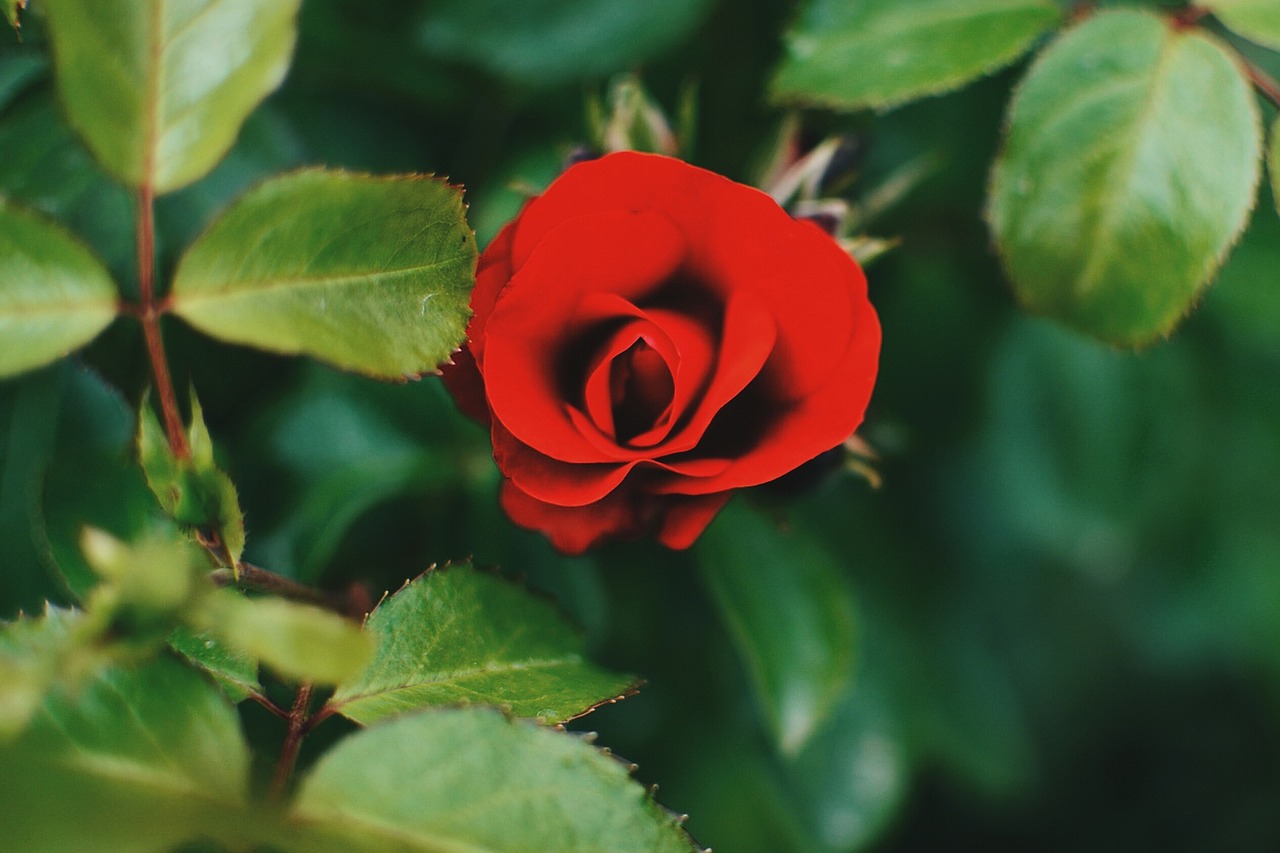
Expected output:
(1128, 171)
(368, 273)
(54, 294)
(235, 671)
(550, 42)
(1256, 20)
(153, 88)
(853, 54)
(298, 641)
(18, 70)
(791, 613)
(457, 637)
(137, 758)
(474, 780)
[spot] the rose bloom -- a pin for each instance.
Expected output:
(648, 337)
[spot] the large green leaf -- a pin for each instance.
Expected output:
(368, 273)
(1273, 158)
(474, 780)
(135, 758)
(1129, 170)
(159, 89)
(235, 671)
(457, 636)
(1256, 20)
(852, 54)
(791, 613)
(54, 294)
(550, 42)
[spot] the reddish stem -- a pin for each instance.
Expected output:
(1263, 82)
(149, 315)
(292, 742)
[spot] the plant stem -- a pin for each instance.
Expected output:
(1263, 82)
(150, 318)
(258, 579)
(292, 743)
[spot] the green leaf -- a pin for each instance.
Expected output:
(1128, 172)
(136, 758)
(235, 671)
(1273, 158)
(791, 614)
(551, 42)
(1256, 20)
(457, 636)
(31, 662)
(372, 274)
(54, 294)
(455, 780)
(853, 54)
(193, 490)
(298, 641)
(153, 88)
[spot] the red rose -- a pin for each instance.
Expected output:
(649, 336)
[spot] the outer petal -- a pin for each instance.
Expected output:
(536, 314)
(687, 517)
(573, 529)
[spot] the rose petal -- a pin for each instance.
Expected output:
(571, 530)
(796, 434)
(687, 517)
(533, 318)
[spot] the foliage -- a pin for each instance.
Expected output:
(1070, 565)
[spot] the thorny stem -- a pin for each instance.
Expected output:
(149, 316)
(257, 579)
(292, 742)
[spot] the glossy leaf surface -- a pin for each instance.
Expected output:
(159, 89)
(1128, 171)
(473, 780)
(54, 294)
(791, 614)
(855, 54)
(457, 636)
(372, 274)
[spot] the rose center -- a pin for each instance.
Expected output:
(641, 388)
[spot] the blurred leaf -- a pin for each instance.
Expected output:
(853, 54)
(31, 653)
(30, 408)
(1256, 20)
(93, 480)
(152, 87)
(791, 613)
(54, 295)
(367, 273)
(18, 70)
(848, 782)
(1129, 168)
(474, 780)
(298, 641)
(46, 168)
(235, 671)
(456, 636)
(12, 10)
(194, 491)
(545, 43)
(138, 758)
(147, 585)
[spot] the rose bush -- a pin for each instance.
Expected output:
(649, 336)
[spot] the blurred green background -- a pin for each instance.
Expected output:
(1067, 590)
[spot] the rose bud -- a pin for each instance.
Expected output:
(648, 337)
